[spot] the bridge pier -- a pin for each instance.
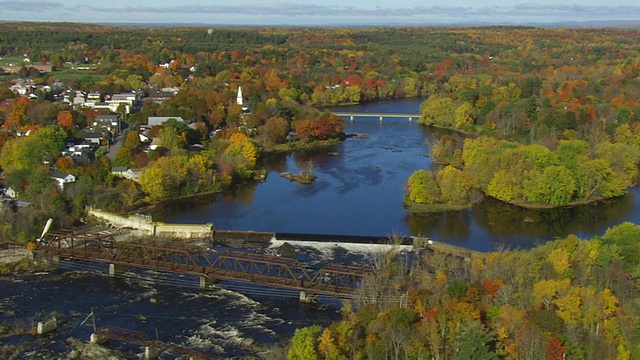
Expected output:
(308, 298)
(47, 326)
(206, 281)
(380, 118)
(351, 118)
(410, 119)
(98, 339)
(117, 270)
(151, 353)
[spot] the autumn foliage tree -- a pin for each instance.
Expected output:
(17, 118)
(423, 188)
(66, 119)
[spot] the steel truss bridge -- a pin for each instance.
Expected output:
(338, 281)
(138, 338)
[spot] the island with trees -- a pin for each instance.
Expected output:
(548, 123)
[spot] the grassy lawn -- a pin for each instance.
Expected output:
(87, 71)
(11, 60)
(68, 73)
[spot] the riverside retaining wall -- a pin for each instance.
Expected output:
(148, 227)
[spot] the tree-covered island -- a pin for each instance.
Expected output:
(554, 125)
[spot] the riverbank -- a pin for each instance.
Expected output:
(416, 208)
(148, 227)
(299, 145)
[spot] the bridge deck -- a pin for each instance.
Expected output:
(334, 280)
(377, 115)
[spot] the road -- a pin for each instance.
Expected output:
(113, 149)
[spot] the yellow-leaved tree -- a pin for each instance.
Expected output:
(242, 153)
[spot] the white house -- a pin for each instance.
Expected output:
(62, 179)
(126, 173)
(10, 193)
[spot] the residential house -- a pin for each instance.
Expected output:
(126, 173)
(111, 102)
(124, 98)
(44, 68)
(143, 138)
(95, 97)
(77, 97)
(10, 193)
(81, 154)
(112, 107)
(21, 205)
(109, 123)
(159, 120)
(161, 96)
(93, 137)
(171, 89)
(23, 87)
(12, 69)
(62, 179)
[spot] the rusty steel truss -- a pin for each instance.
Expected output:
(174, 256)
(138, 338)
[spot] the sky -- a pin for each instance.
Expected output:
(320, 12)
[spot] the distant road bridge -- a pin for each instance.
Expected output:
(338, 281)
(379, 116)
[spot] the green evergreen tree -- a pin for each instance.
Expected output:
(472, 343)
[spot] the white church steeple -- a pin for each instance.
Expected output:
(239, 99)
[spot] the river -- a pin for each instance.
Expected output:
(359, 191)
(219, 320)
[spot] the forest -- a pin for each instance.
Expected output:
(567, 299)
(549, 116)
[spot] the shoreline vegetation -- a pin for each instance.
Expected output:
(566, 173)
(298, 145)
(302, 178)
(420, 208)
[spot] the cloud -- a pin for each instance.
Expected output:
(316, 10)
(575, 9)
(317, 13)
(30, 6)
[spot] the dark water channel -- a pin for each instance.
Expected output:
(359, 191)
(227, 319)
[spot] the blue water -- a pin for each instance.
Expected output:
(359, 191)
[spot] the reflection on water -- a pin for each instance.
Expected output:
(506, 220)
(448, 225)
(359, 189)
